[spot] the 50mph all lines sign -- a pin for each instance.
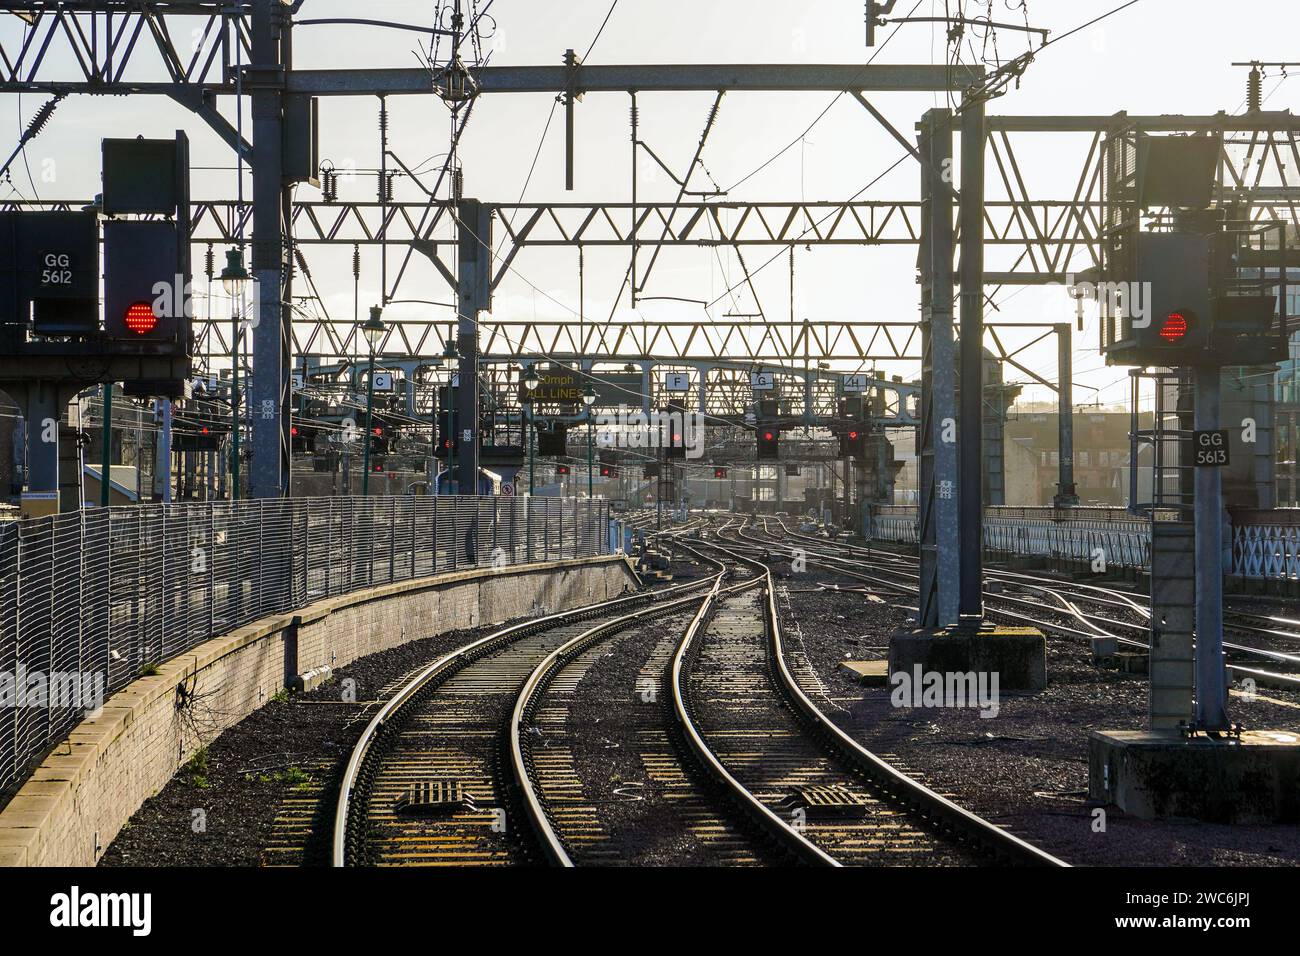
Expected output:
(1211, 448)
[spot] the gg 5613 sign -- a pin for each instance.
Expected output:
(1211, 448)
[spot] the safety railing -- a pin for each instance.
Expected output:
(1265, 544)
(1101, 544)
(1118, 543)
(1266, 551)
(90, 599)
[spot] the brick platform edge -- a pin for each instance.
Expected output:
(75, 803)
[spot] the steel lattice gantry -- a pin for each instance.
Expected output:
(246, 48)
(97, 46)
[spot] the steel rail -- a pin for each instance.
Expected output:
(1059, 589)
(345, 848)
(529, 700)
(901, 786)
(785, 835)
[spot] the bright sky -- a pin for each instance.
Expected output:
(1158, 56)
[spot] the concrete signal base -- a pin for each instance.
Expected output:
(1018, 655)
(1155, 775)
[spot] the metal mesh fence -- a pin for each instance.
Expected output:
(1121, 543)
(89, 599)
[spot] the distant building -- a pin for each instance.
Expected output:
(1101, 456)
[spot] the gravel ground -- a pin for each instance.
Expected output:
(1026, 768)
(283, 760)
(267, 786)
(264, 791)
(650, 808)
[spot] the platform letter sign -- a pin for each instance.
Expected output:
(762, 381)
(1211, 448)
(855, 383)
(383, 381)
(677, 382)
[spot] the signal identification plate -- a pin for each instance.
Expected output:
(1211, 446)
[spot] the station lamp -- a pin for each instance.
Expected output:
(234, 277)
(531, 378)
(588, 395)
(375, 328)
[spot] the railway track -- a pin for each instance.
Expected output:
(820, 795)
(1045, 602)
(512, 751)
(425, 782)
(606, 815)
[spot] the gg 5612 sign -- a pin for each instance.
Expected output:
(56, 270)
(1211, 448)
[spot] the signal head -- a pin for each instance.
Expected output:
(1175, 327)
(140, 318)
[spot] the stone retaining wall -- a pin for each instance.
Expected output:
(75, 803)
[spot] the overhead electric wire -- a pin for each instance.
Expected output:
(551, 116)
(898, 162)
(820, 116)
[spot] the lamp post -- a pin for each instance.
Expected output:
(234, 279)
(451, 358)
(531, 381)
(374, 330)
(589, 399)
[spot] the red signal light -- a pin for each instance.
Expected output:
(1174, 328)
(140, 318)
(768, 436)
(379, 432)
(853, 436)
(293, 430)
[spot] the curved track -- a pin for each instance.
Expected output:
(819, 793)
(742, 767)
(422, 785)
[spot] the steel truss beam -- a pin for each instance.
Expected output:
(80, 46)
(1032, 242)
(854, 342)
(648, 78)
(84, 46)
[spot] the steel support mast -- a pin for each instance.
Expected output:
(970, 491)
(937, 451)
